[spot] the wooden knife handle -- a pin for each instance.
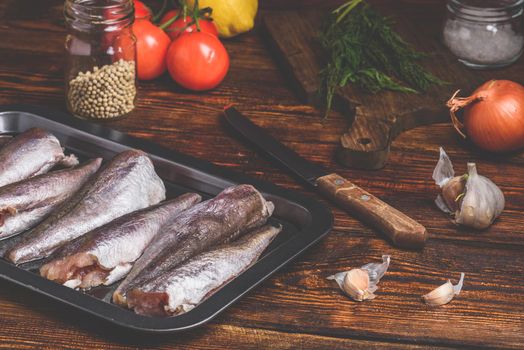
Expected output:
(400, 228)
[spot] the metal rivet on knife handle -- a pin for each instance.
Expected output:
(400, 228)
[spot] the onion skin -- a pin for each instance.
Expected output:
(493, 116)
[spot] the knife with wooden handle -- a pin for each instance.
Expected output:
(398, 227)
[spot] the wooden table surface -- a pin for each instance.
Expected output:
(297, 307)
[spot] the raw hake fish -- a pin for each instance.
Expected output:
(26, 203)
(125, 184)
(106, 254)
(181, 289)
(234, 211)
(31, 153)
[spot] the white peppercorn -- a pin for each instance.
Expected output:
(105, 92)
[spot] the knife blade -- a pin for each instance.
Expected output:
(402, 230)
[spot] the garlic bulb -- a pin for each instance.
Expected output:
(444, 294)
(360, 284)
(473, 200)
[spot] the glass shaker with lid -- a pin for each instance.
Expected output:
(100, 58)
(484, 33)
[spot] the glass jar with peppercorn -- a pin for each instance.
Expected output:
(100, 58)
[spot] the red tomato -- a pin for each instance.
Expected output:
(151, 47)
(141, 10)
(197, 61)
(175, 29)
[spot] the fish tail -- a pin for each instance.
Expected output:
(69, 161)
(151, 303)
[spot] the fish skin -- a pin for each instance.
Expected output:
(25, 203)
(126, 183)
(232, 212)
(29, 154)
(182, 288)
(112, 247)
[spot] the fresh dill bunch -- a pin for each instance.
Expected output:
(363, 49)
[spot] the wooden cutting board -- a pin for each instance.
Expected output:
(375, 119)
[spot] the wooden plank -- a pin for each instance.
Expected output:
(212, 336)
(398, 311)
(297, 308)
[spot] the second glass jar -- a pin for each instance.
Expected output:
(484, 33)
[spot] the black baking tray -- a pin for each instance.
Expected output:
(304, 219)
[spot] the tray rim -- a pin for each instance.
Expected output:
(321, 224)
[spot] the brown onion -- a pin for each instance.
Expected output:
(493, 115)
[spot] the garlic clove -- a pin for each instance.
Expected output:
(445, 293)
(440, 296)
(360, 284)
(445, 178)
(356, 285)
(453, 191)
